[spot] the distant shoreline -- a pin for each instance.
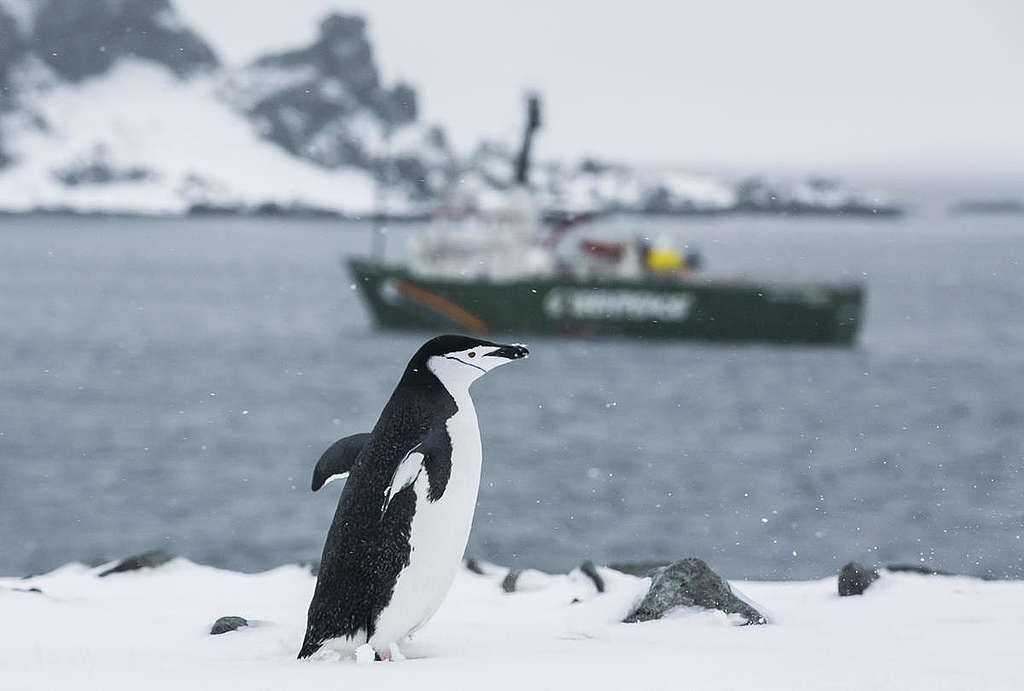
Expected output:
(275, 211)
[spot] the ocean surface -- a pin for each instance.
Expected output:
(169, 384)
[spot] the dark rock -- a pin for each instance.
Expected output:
(96, 169)
(342, 51)
(917, 568)
(691, 583)
(12, 48)
(473, 566)
(590, 570)
(854, 579)
(509, 582)
(316, 103)
(149, 560)
(81, 39)
(638, 568)
(225, 624)
(26, 590)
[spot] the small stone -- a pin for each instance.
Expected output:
(590, 570)
(225, 624)
(149, 560)
(854, 579)
(690, 582)
(312, 564)
(509, 583)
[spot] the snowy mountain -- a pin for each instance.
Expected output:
(118, 106)
(131, 111)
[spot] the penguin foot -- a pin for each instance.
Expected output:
(389, 654)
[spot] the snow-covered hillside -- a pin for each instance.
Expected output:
(169, 146)
(119, 106)
(151, 628)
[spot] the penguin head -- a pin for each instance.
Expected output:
(461, 360)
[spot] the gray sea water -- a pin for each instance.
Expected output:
(170, 384)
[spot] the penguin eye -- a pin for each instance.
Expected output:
(472, 354)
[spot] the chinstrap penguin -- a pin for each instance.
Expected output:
(404, 516)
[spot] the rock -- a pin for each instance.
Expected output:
(473, 566)
(26, 590)
(83, 39)
(509, 583)
(928, 571)
(225, 624)
(854, 579)
(326, 103)
(96, 169)
(312, 564)
(149, 560)
(12, 46)
(915, 568)
(691, 583)
(638, 568)
(590, 570)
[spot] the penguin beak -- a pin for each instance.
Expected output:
(510, 352)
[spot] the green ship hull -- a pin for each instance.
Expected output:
(662, 308)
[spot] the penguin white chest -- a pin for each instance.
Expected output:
(438, 534)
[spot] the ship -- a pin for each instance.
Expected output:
(518, 275)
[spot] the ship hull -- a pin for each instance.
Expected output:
(710, 310)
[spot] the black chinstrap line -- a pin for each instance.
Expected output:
(449, 357)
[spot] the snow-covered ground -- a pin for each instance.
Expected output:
(150, 629)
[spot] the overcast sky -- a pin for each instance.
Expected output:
(809, 84)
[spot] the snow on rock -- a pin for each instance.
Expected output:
(151, 627)
(185, 147)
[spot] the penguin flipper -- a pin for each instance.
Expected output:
(336, 461)
(432, 454)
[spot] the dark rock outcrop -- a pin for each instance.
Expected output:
(326, 103)
(82, 39)
(854, 579)
(917, 568)
(690, 582)
(343, 52)
(590, 571)
(96, 169)
(474, 567)
(146, 560)
(12, 47)
(312, 564)
(225, 624)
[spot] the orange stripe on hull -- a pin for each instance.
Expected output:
(442, 306)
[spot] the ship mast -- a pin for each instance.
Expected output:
(532, 124)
